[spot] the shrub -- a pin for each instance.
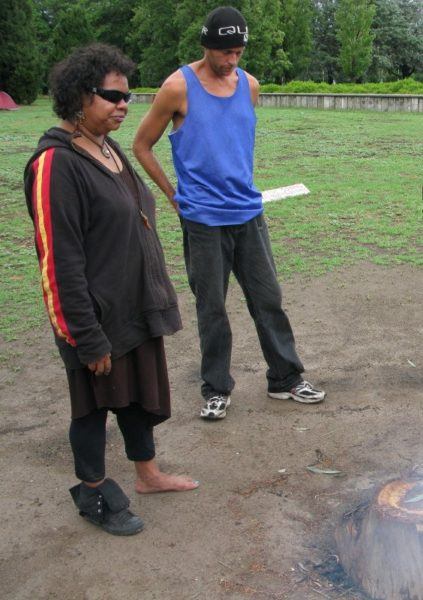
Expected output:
(144, 90)
(403, 86)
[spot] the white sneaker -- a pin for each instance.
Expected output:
(215, 407)
(303, 392)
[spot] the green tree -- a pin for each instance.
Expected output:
(72, 29)
(265, 56)
(385, 31)
(154, 40)
(45, 17)
(296, 22)
(354, 21)
(398, 40)
(106, 21)
(112, 21)
(325, 52)
(409, 57)
(20, 72)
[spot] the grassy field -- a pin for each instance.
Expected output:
(364, 170)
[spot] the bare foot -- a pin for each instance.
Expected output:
(162, 482)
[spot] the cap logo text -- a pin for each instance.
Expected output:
(232, 29)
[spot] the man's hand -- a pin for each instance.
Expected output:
(174, 204)
(102, 366)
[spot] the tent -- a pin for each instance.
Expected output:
(6, 102)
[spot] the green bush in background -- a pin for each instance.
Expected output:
(403, 86)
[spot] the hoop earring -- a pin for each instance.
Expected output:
(79, 118)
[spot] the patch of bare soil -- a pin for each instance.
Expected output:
(261, 525)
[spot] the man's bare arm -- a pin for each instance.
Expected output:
(166, 105)
(254, 88)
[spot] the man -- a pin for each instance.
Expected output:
(211, 104)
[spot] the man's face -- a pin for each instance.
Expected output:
(223, 62)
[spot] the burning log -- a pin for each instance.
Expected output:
(380, 543)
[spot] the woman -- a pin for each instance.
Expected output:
(105, 285)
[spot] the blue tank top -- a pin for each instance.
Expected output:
(213, 155)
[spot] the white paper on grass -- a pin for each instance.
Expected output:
(299, 189)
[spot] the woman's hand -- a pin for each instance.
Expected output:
(102, 366)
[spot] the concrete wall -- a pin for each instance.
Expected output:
(143, 98)
(379, 102)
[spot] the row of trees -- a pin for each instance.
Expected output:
(322, 40)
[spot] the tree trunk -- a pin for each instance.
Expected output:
(380, 543)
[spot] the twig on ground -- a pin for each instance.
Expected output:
(321, 593)
(225, 565)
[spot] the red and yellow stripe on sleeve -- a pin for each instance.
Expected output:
(41, 202)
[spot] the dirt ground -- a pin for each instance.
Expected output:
(260, 526)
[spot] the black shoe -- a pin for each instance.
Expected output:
(107, 507)
(123, 522)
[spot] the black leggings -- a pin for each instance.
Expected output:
(87, 436)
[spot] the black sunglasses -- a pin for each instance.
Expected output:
(113, 96)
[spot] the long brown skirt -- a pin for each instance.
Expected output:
(137, 377)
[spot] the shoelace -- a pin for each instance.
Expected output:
(215, 401)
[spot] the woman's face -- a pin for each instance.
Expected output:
(102, 116)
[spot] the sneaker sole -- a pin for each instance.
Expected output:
(212, 416)
(289, 396)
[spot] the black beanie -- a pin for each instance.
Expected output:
(225, 27)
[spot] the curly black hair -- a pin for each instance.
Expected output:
(82, 70)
